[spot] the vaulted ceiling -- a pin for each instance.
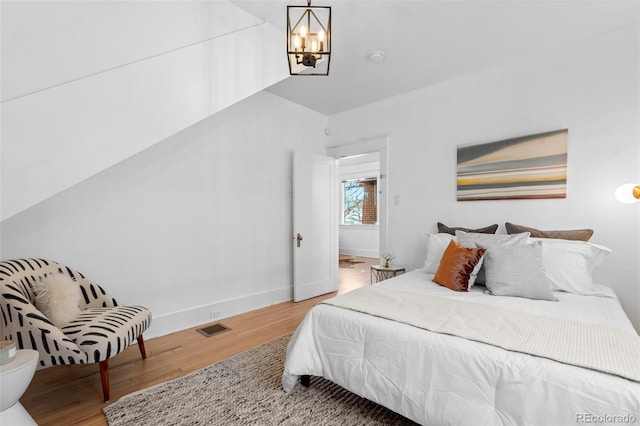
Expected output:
(426, 42)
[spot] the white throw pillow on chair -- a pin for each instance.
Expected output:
(58, 298)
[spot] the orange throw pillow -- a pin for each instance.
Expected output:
(456, 266)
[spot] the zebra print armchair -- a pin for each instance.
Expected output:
(102, 330)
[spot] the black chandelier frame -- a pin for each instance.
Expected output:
(304, 55)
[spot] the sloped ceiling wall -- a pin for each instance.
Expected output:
(86, 85)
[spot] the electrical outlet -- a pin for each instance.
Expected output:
(214, 314)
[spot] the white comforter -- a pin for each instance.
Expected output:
(441, 379)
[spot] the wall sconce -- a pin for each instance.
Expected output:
(309, 39)
(628, 193)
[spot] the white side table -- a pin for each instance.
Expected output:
(16, 376)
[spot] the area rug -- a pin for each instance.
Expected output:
(246, 389)
(348, 262)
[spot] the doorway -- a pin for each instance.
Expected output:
(364, 157)
(358, 181)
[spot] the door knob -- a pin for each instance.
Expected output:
(299, 238)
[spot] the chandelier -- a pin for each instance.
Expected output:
(309, 39)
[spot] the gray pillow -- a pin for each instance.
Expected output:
(517, 271)
(444, 229)
(472, 240)
(568, 234)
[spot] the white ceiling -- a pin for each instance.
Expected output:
(428, 41)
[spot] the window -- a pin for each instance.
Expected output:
(360, 201)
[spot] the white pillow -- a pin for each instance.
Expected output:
(436, 245)
(58, 298)
(517, 271)
(569, 264)
(472, 240)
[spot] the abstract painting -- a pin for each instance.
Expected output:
(533, 166)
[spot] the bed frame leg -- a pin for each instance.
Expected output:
(305, 380)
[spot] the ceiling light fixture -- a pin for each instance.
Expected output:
(376, 57)
(309, 39)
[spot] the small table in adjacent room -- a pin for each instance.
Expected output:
(381, 273)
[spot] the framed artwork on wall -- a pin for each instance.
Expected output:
(526, 167)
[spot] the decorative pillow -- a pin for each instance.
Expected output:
(569, 264)
(469, 239)
(444, 229)
(517, 271)
(472, 239)
(58, 298)
(457, 265)
(436, 245)
(571, 234)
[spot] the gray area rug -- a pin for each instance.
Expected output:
(246, 389)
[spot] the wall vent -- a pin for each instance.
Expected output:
(212, 329)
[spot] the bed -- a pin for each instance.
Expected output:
(440, 378)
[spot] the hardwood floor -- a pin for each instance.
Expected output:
(357, 274)
(68, 395)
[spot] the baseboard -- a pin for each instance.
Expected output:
(359, 252)
(171, 322)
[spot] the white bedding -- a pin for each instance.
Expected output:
(441, 379)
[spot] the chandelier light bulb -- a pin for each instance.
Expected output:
(303, 31)
(321, 36)
(296, 42)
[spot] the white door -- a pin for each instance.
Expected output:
(315, 230)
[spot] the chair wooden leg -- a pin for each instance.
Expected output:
(141, 347)
(104, 369)
(104, 375)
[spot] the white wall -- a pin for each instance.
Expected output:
(590, 87)
(88, 84)
(358, 240)
(200, 222)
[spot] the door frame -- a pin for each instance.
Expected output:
(365, 146)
